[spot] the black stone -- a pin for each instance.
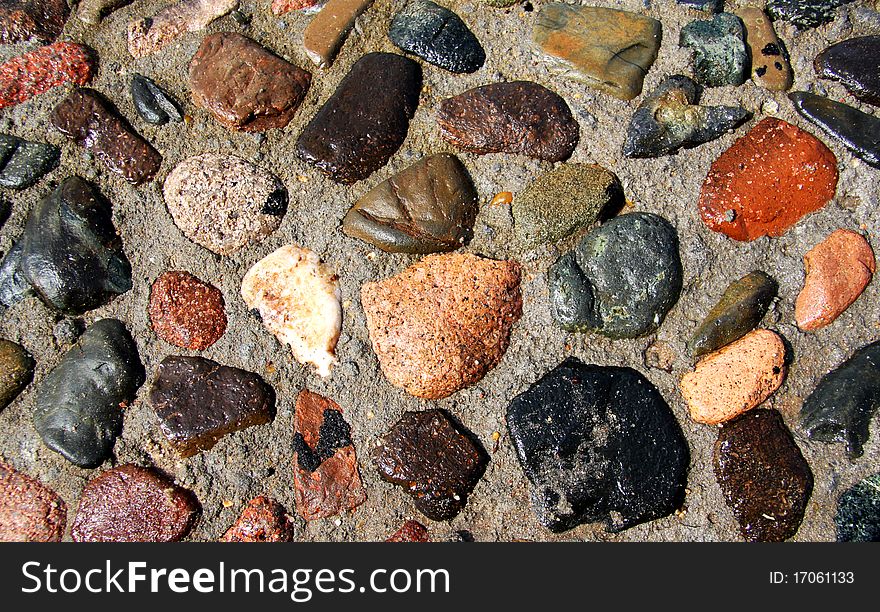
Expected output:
(334, 433)
(5, 210)
(670, 119)
(14, 287)
(23, 163)
(720, 53)
(858, 512)
(152, 103)
(80, 404)
(438, 36)
(857, 131)
(856, 64)
(598, 443)
(804, 14)
(840, 407)
(366, 119)
(620, 280)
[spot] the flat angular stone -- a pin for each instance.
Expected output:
(564, 200)
(837, 271)
(841, 406)
(29, 510)
(437, 462)
(444, 322)
(620, 280)
(740, 309)
(325, 467)
(766, 181)
(326, 33)
(42, 69)
(186, 311)
(23, 163)
(133, 504)
(94, 11)
(198, 401)
(153, 103)
(92, 122)
(428, 207)
(438, 36)
(857, 131)
(152, 34)
(280, 7)
(770, 66)
(805, 14)
(245, 86)
(40, 20)
(520, 117)
(670, 119)
(856, 64)
(262, 520)
(410, 531)
(79, 405)
(297, 298)
(858, 512)
(765, 479)
(366, 119)
(598, 443)
(720, 54)
(16, 371)
(608, 49)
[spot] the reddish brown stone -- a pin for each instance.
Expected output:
(325, 469)
(41, 20)
(29, 511)
(279, 7)
(444, 322)
(245, 86)
(410, 531)
(133, 504)
(262, 520)
(767, 181)
(186, 311)
(38, 71)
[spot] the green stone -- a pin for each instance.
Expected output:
(720, 54)
(16, 371)
(858, 512)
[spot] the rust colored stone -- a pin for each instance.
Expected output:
(767, 181)
(22, 20)
(187, 312)
(133, 504)
(29, 510)
(262, 520)
(280, 7)
(325, 468)
(838, 270)
(444, 322)
(38, 71)
(410, 531)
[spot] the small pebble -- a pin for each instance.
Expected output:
(326, 33)
(805, 14)
(857, 131)
(24, 163)
(410, 531)
(770, 67)
(152, 103)
(262, 520)
(186, 312)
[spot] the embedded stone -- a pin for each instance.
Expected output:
(436, 461)
(765, 479)
(598, 443)
(223, 202)
(410, 531)
(520, 117)
(93, 12)
(325, 468)
(366, 119)
(29, 510)
(280, 7)
(857, 131)
(133, 504)
(186, 312)
(500, 3)
(14, 287)
(670, 119)
(805, 14)
(770, 66)
(720, 55)
(766, 181)
(23, 163)
(42, 69)
(438, 36)
(426, 208)
(856, 64)
(24, 20)
(262, 520)
(16, 371)
(154, 104)
(444, 322)
(198, 401)
(707, 6)
(79, 405)
(297, 298)
(620, 280)
(325, 34)
(152, 34)
(858, 512)
(608, 49)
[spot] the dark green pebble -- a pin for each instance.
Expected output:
(858, 512)
(720, 54)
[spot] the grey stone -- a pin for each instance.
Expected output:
(857, 131)
(438, 36)
(152, 103)
(23, 163)
(719, 48)
(858, 512)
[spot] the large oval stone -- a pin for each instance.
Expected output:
(856, 64)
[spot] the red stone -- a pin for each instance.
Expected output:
(22, 20)
(186, 311)
(38, 71)
(410, 531)
(279, 7)
(263, 520)
(29, 511)
(767, 181)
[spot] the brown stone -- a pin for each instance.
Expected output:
(767, 181)
(151, 34)
(325, 468)
(262, 520)
(187, 312)
(324, 35)
(410, 531)
(770, 67)
(444, 322)
(245, 86)
(23, 20)
(29, 511)
(838, 269)
(133, 504)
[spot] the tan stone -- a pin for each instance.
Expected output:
(152, 34)
(324, 35)
(770, 68)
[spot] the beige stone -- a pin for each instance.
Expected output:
(152, 34)
(770, 68)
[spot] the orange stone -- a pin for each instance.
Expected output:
(767, 181)
(838, 270)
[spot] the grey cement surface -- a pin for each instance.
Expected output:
(258, 460)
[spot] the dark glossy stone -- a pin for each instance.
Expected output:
(14, 287)
(857, 131)
(427, 208)
(765, 479)
(365, 120)
(23, 20)
(670, 119)
(79, 405)
(841, 406)
(805, 13)
(5, 210)
(23, 163)
(153, 103)
(437, 463)
(438, 36)
(198, 401)
(519, 117)
(720, 54)
(620, 280)
(858, 512)
(16, 371)
(856, 64)
(740, 309)
(598, 443)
